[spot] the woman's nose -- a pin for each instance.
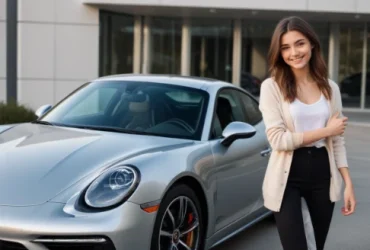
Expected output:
(294, 51)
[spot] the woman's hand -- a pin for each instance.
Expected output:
(337, 125)
(349, 201)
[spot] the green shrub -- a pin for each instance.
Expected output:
(15, 113)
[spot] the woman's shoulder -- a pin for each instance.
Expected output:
(334, 86)
(269, 83)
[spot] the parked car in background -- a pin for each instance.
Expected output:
(250, 83)
(351, 85)
(134, 162)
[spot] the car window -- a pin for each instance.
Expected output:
(228, 109)
(251, 110)
(94, 103)
(135, 107)
(184, 97)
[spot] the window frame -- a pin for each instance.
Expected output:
(243, 108)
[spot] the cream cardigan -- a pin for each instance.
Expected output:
(283, 140)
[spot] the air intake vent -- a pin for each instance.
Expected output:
(76, 243)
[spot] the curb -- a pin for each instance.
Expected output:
(359, 124)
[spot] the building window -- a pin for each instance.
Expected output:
(350, 63)
(323, 32)
(116, 43)
(211, 49)
(255, 46)
(166, 46)
(257, 36)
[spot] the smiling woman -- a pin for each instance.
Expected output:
(292, 50)
(296, 49)
(302, 111)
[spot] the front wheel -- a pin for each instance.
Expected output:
(179, 222)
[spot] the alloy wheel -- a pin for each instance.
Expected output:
(180, 229)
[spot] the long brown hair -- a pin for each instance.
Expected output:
(282, 72)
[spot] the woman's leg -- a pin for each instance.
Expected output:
(289, 221)
(321, 212)
(317, 196)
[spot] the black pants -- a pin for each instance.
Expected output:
(309, 178)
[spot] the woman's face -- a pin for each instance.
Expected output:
(296, 49)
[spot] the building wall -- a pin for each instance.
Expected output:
(58, 49)
(58, 42)
(357, 6)
(2, 50)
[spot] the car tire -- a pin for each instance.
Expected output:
(163, 220)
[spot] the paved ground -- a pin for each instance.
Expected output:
(362, 118)
(347, 233)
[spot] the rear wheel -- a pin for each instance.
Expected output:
(179, 222)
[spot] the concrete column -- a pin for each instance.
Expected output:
(147, 56)
(3, 51)
(186, 47)
(364, 68)
(203, 57)
(334, 50)
(137, 44)
(237, 52)
(11, 50)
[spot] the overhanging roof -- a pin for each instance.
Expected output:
(206, 9)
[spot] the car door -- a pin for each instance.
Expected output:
(254, 117)
(239, 167)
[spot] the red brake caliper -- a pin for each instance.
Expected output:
(189, 237)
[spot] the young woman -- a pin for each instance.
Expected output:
(302, 111)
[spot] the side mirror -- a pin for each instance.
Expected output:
(237, 130)
(42, 110)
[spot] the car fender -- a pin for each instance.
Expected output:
(158, 171)
(5, 127)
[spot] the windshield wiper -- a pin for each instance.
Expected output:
(111, 129)
(43, 122)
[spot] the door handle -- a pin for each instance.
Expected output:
(266, 152)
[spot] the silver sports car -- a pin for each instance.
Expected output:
(134, 162)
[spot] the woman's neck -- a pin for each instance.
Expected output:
(302, 76)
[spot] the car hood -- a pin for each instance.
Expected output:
(37, 162)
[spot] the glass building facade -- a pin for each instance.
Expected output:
(116, 43)
(166, 46)
(212, 49)
(230, 50)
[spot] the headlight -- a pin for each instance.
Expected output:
(112, 187)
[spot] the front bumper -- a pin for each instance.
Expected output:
(125, 227)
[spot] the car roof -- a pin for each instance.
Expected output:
(187, 81)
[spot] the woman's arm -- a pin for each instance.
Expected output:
(340, 156)
(349, 193)
(344, 171)
(335, 126)
(315, 135)
(339, 149)
(279, 136)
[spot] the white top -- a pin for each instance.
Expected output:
(308, 117)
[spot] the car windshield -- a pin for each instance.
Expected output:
(134, 107)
